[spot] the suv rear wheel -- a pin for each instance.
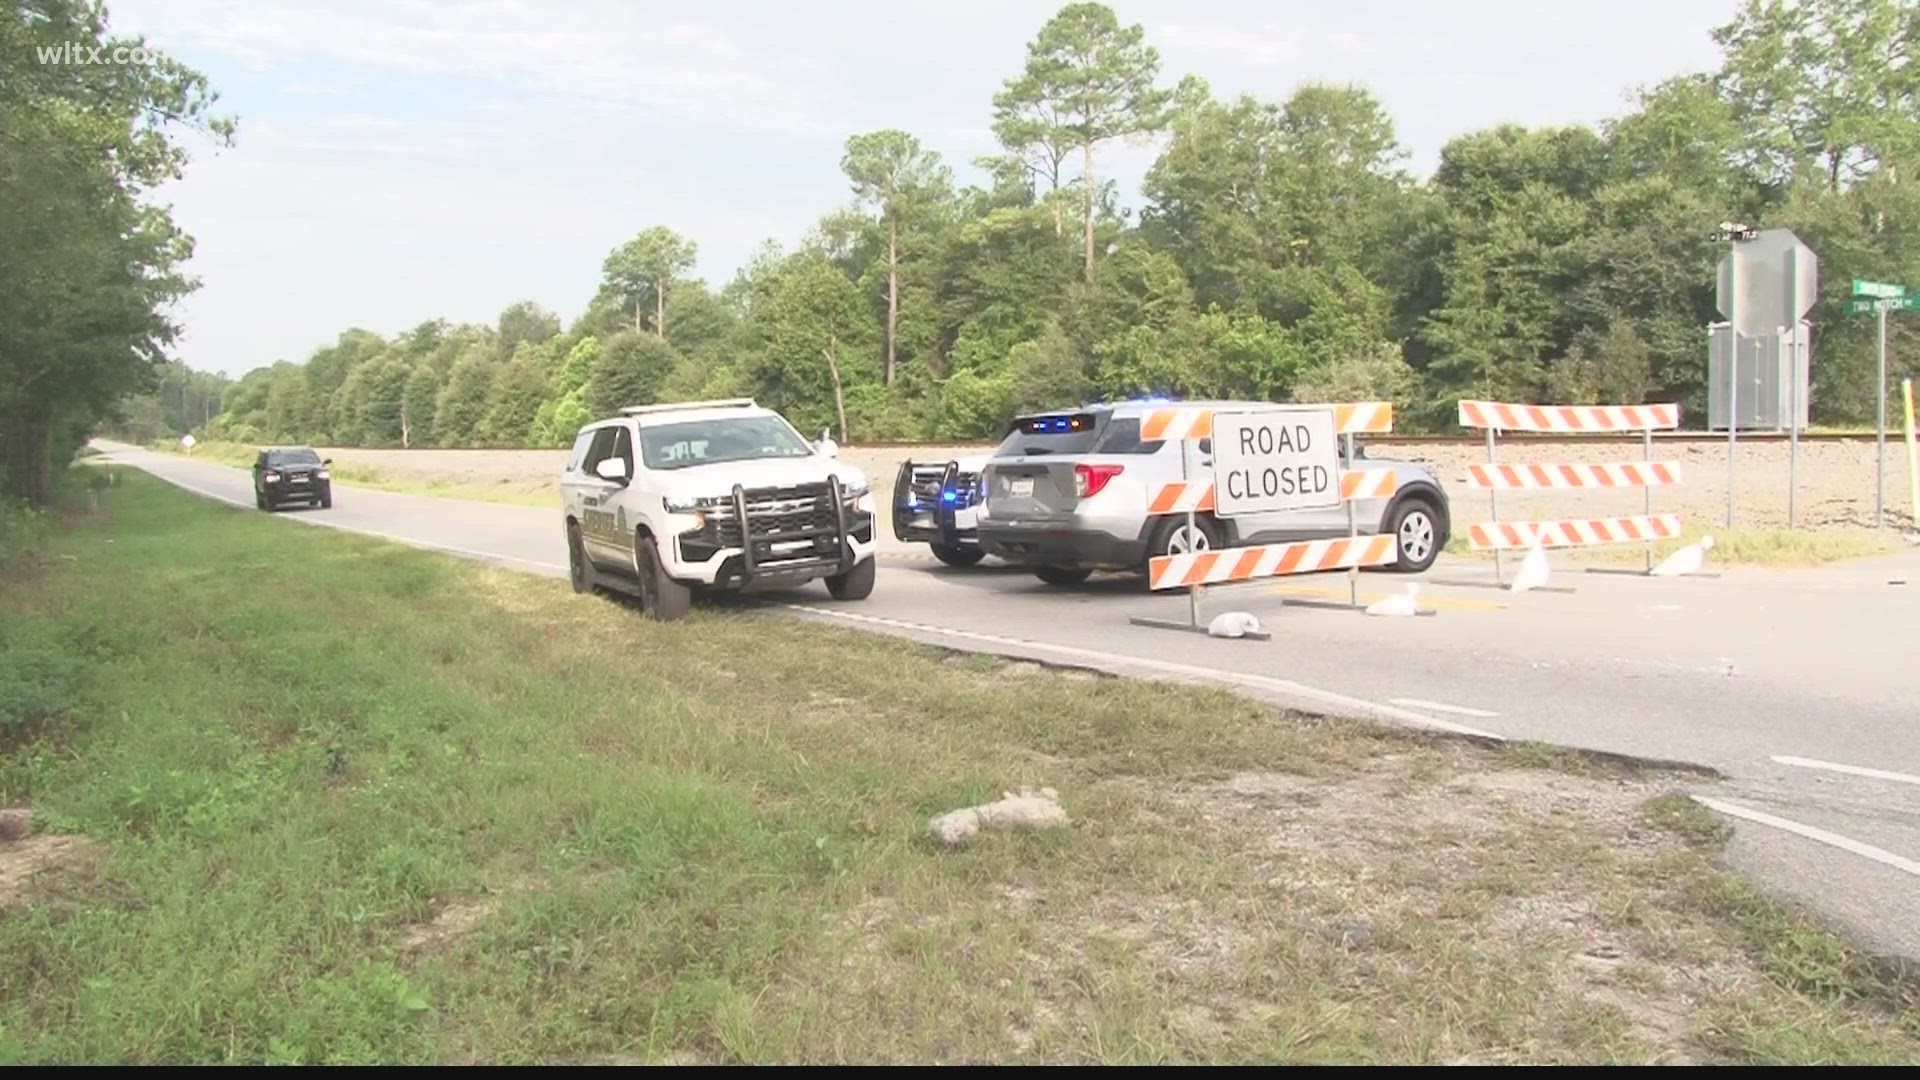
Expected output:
(1172, 537)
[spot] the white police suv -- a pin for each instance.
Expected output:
(665, 499)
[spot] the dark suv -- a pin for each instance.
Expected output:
(291, 474)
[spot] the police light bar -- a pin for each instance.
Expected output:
(1045, 425)
(681, 406)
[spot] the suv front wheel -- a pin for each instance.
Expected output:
(855, 584)
(579, 570)
(661, 597)
(1416, 536)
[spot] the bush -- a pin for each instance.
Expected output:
(20, 525)
(1377, 373)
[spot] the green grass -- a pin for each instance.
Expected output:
(310, 797)
(1792, 950)
(1731, 547)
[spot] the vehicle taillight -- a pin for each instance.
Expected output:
(1088, 480)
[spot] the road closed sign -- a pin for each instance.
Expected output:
(1275, 459)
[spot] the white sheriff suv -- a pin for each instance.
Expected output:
(666, 499)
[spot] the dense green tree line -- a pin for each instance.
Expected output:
(1282, 250)
(89, 261)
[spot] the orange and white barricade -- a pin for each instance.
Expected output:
(1494, 477)
(1269, 560)
(1191, 496)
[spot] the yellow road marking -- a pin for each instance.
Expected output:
(1438, 603)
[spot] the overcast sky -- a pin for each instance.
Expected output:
(404, 159)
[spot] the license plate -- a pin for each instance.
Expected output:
(1021, 486)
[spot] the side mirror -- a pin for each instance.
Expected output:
(611, 468)
(326, 461)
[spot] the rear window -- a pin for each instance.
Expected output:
(1123, 437)
(1053, 433)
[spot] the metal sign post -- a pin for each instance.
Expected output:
(1193, 591)
(1880, 297)
(1792, 347)
(1646, 442)
(1880, 430)
(1767, 280)
(1733, 425)
(1353, 534)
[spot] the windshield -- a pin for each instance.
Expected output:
(733, 438)
(292, 457)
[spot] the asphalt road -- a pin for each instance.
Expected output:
(1784, 681)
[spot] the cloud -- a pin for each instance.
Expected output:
(1265, 47)
(593, 54)
(400, 159)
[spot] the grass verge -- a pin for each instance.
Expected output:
(305, 797)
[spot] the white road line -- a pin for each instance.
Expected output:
(1436, 706)
(1856, 770)
(1865, 851)
(1341, 702)
(408, 540)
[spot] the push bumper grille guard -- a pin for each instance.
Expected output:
(750, 562)
(904, 489)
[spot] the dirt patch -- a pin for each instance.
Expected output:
(448, 925)
(29, 863)
(1027, 669)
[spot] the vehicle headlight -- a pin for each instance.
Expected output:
(270, 477)
(853, 492)
(324, 475)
